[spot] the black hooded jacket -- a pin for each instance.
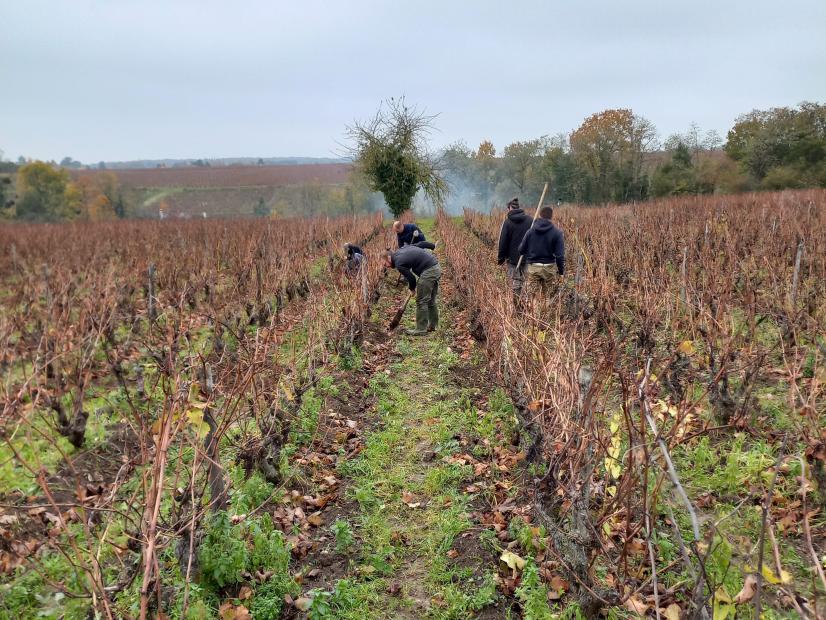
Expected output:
(513, 230)
(544, 243)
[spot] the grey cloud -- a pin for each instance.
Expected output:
(121, 80)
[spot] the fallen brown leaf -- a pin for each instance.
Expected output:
(303, 603)
(636, 605)
(748, 591)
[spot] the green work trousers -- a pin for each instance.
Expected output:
(427, 287)
(543, 278)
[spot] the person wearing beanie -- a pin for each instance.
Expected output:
(514, 227)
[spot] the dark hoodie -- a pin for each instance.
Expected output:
(513, 230)
(544, 243)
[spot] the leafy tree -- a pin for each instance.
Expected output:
(93, 197)
(781, 147)
(521, 161)
(120, 206)
(262, 209)
(68, 162)
(391, 151)
(676, 177)
(610, 146)
(486, 151)
(42, 191)
(564, 174)
(5, 190)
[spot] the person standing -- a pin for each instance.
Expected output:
(544, 250)
(516, 224)
(422, 271)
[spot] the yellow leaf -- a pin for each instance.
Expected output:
(514, 562)
(768, 575)
(194, 390)
(672, 612)
(195, 418)
(722, 605)
(721, 611)
(686, 347)
(722, 595)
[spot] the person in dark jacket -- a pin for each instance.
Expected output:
(513, 231)
(544, 249)
(422, 271)
(408, 234)
(355, 259)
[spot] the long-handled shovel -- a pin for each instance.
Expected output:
(400, 312)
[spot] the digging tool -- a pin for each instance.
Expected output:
(536, 213)
(400, 312)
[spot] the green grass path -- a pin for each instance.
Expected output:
(411, 486)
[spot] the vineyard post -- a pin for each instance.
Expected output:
(215, 471)
(151, 294)
(46, 285)
(796, 275)
(364, 288)
(580, 264)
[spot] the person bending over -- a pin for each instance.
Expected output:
(410, 234)
(422, 271)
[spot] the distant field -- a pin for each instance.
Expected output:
(229, 191)
(230, 176)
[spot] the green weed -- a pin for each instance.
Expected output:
(343, 534)
(533, 594)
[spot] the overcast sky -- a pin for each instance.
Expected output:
(128, 79)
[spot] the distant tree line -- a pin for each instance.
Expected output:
(616, 156)
(613, 156)
(47, 193)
